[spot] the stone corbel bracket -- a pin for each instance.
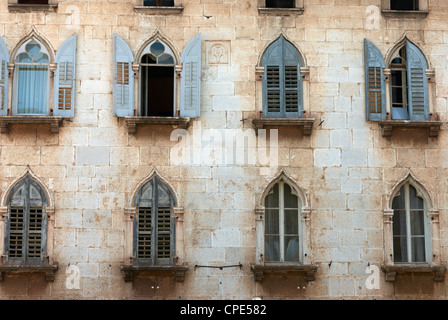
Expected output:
(260, 270)
(438, 271)
(178, 271)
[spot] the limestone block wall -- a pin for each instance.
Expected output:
(346, 168)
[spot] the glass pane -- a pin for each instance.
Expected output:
(164, 3)
(149, 58)
(397, 95)
(271, 223)
(33, 90)
(292, 248)
(399, 222)
(280, 3)
(157, 48)
(417, 223)
(41, 58)
(396, 76)
(418, 249)
(404, 4)
(415, 201)
(166, 59)
(291, 222)
(272, 199)
(271, 250)
(291, 200)
(398, 202)
(32, 48)
(24, 57)
(400, 249)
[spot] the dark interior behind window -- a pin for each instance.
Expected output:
(159, 3)
(33, 2)
(404, 4)
(280, 3)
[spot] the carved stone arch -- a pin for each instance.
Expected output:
(48, 195)
(268, 44)
(282, 175)
(398, 45)
(157, 35)
(142, 182)
(422, 191)
(34, 34)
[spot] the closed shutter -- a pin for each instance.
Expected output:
(64, 80)
(4, 59)
(123, 78)
(190, 85)
(375, 90)
(417, 83)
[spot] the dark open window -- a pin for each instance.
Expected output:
(157, 81)
(159, 3)
(280, 3)
(404, 5)
(33, 2)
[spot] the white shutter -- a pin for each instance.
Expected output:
(123, 79)
(4, 59)
(190, 85)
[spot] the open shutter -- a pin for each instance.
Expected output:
(417, 83)
(6, 239)
(123, 78)
(190, 83)
(64, 80)
(173, 237)
(292, 81)
(4, 59)
(375, 84)
(272, 81)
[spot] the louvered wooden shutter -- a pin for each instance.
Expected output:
(190, 85)
(417, 83)
(64, 80)
(375, 89)
(282, 82)
(4, 59)
(123, 78)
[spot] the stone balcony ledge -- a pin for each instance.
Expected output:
(405, 13)
(305, 123)
(178, 270)
(159, 10)
(53, 121)
(432, 125)
(392, 270)
(281, 11)
(32, 7)
(260, 270)
(49, 270)
(133, 122)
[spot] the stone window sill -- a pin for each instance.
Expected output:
(130, 270)
(32, 7)
(49, 270)
(159, 10)
(261, 270)
(305, 123)
(437, 270)
(53, 121)
(388, 125)
(132, 122)
(405, 13)
(281, 11)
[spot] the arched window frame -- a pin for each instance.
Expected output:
(131, 264)
(432, 239)
(305, 263)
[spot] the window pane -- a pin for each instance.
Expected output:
(292, 248)
(404, 4)
(149, 58)
(164, 3)
(271, 222)
(157, 48)
(272, 199)
(291, 222)
(417, 223)
(400, 249)
(280, 3)
(291, 200)
(418, 249)
(399, 222)
(271, 250)
(415, 201)
(33, 90)
(166, 59)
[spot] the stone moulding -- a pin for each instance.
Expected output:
(132, 122)
(130, 270)
(53, 121)
(281, 11)
(305, 123)
(32, 7)
(159, 10)
(260, 270)
(405, 13)
(392, 270)
(388, 125)
(49, 270)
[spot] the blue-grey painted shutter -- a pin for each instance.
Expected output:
(418, 104)
(374, 81)
(7, 232)
(190, 83)
(64, 80)
(123, 78)
(4, 59)
(282, 82)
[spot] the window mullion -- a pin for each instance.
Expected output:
(408, 222)
(281, 221)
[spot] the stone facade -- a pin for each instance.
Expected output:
(346, 170)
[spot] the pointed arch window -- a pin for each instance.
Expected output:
(154, 225)
(26, 224)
